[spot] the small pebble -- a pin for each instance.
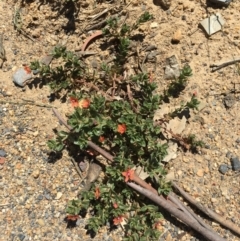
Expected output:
(2, 160)
(41, 222)
(40, 197)
(36, 174)
(58, 196)
(235, 163)
(48, 196)
(8, 93)
(200, 172)
(154, 25)
(223, 168)
(21, 237)
(22, 76)
(229, 154)
(3, 153)
(214, 199)
(177, 36)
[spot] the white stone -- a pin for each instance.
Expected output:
(154, 25)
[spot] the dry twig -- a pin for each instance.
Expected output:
(29, 102)
(216, 67)
(226, 223)
(77, 168)
(210, 235)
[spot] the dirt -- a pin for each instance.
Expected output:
(47, 24)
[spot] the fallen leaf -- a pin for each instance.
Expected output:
(140, 172)
(176, 126)
(170, 176)
(172, 151)
(160, 113)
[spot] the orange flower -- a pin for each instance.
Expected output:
(27, 69)
(150, 77)
(101, 139)
(121, 128)
(84, 103)
(118, 220)
(97, 193)
(158, 225)
(129, 175)
(74, 102)
(115, 205)
(194, 93)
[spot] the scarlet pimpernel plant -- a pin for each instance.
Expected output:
(124, 126)
(134, 141)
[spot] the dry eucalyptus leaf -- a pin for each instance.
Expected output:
(83, 165)
(117, 98)
(159, 114)
(176, 126)
(140, 172)
(172, 151)
(123, 223)
(170, 176)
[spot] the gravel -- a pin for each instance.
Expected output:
(223, 168)
(235, 163)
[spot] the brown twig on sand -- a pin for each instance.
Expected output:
(226, 223)
(90, 38)
(77, 168)
(172, 197)
(216, 67)
(27, 103)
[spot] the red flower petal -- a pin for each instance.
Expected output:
(74, 102)
(84, 103)
(97, 193)
(101, 139)
(129, 175)
(27, 69)
(118, 220)
(121, 128)
(115, 205)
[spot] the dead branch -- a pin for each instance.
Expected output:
(25, 103)
(226, 223)
(210, 235)
(174, 199)
(216, 67)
